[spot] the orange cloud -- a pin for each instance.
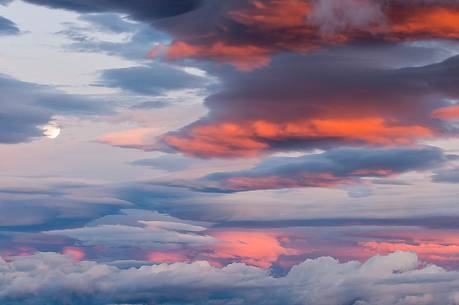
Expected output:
(447, 113)
(250, 138)
(255, 248)
(250, 34)
(244, 57)
(275, 14)
(75, 253)
(433, 252)
(425, 22)
(438, 246)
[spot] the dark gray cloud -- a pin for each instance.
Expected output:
(154, 79)
(246, 34)
(27, 106)
(7, 27)
(430, 222)
(400, 278)
(447, 176)
(146, 10)
(282, 107)
(334, 168)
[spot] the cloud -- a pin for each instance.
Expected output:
(147, 234)
(166, 163)
(144, 10)
(37, 214)
(108, 22)
(433, 245)
(27, 106)
(447, 113)
(339, 101)
(447, 176)
(255, 248)
(334, 168)
(48, 278)
(132, 138)
(334, 16)
(43, 204)
(8, 27)
(248, 33)
(157, 104)
(151, 80)
(139, 37)
(163, 238)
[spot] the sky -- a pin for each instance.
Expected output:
(239, 152)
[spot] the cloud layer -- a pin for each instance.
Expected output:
(47, 278)
(337, 167)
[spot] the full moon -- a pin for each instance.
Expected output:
(51, 130)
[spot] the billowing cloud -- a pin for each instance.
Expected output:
(247, 33)
(318, 101)
(399, 278)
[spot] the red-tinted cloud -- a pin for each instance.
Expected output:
(261, 248)
(249, 32)
(167, 257)
(447, 113)
(255, 248)
(336, 167)
(253, 137)
(437, 246)
(76, 254)
(318, 101)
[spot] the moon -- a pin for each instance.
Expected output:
(51, 130)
